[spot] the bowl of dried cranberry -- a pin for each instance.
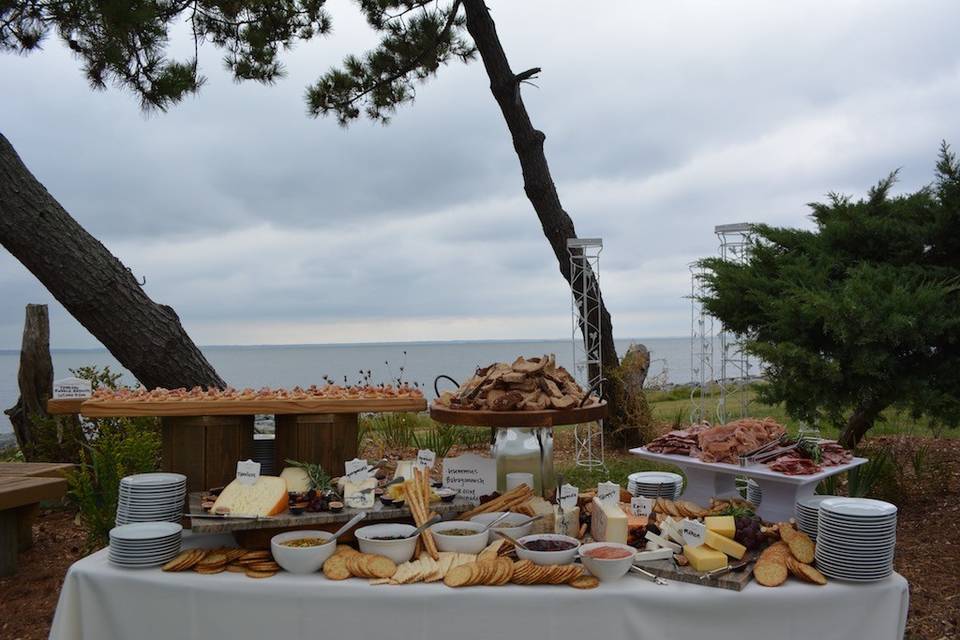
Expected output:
(548, 548)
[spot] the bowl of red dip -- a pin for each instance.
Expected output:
(608, 561)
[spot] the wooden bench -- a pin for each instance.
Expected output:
(22, 487)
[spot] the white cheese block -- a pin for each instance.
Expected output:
(666, 544)
(671, 530)
(404, 470)
(296, 479)
(567, 521)
(266, 497)
(659, 554)
(360, 495)
(608, 522)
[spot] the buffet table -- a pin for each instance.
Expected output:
(102, 602)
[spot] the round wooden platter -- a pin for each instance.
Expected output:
(546, 418)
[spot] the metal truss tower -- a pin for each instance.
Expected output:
(587, 352)
(701, 348)
(735, 244)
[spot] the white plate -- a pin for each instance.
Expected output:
(853, 534)
(859, 507)
(842, 524)
(654, 477)
(154, 478)
(850, 578)
(145, 531)
(885, 520)
(880, 568)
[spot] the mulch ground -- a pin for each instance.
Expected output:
(928, 554)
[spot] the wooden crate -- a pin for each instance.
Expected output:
(206, 448)
(328, 439)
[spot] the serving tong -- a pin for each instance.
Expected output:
(769, 451)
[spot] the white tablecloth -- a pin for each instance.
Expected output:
(100, 601)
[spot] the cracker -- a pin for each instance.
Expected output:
(584, 582)
(345, 549)
(770, 573)
(491, 550)
(335, 568)
(458, 576)
(506, 565)
(805, 572)
(260, 574)
(777, 552)
(382, 567)
(802, 547)
(235, 554)
(264, 566)
(210, 570)
(184, 560)
(787, 532)
(213, 559)
(236, 568)
(261, 554)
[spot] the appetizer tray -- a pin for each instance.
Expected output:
(102, 408)
(378, 512)
(667, 569)
(545, 418)
(706, 480)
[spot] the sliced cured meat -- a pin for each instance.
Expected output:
(727, 442)
(793, 465)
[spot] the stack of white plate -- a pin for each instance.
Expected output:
(145, 544)
(655, 484)
(807, 511)
(856, 538)
(263, 448)
(754, 492)
(151, 497)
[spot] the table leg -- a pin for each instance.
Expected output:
(703, 484)
(779, 498)
(26, 515)
(8, 542)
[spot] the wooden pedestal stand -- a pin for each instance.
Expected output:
(205, 448)
(327, 439)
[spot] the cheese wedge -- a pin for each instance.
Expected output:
(360, 495)
(567, 521)
(724, 525)
(703, 558)
(730, 547)
(662, 542)
(608, 522)
(296, 479)
(266, 497)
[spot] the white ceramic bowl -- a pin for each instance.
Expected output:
(548, 557)
(399, 551)
(607, 570)
(302, 559)
(505, 525)
(460, 544)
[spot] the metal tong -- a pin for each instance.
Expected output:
(768, 451)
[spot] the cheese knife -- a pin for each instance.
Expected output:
(736, 566)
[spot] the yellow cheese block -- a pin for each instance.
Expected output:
(724, 525)
(704, 558)
(730, 547)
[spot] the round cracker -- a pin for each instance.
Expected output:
(770, 573)
(584, 582)
(345, 549)
(213, 559)
(236, 568)
(184, 560)
(458, 576)
(335, 568)
(260, 574)
(220, 568)
(382, 567)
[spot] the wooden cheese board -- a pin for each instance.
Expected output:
(667, 569)
(546, 418)
(104, 408)
(378, 513)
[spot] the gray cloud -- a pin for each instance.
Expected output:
(260, 225)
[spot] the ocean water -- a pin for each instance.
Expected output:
(420, 362)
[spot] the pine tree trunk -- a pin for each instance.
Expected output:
(93, 285)
(537, 180)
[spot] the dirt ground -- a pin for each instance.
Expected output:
(929, 560)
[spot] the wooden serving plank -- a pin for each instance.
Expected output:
(35, 469)
(99, 408)
(379, 512)
(734, 580)
(63, 407)
(17, 491)
(547, 418)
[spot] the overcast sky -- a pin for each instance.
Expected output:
(663, 119)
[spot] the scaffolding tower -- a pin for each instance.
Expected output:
(701, 347)
(587, 349)
(735, 243)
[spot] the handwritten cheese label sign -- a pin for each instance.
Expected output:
(356, 470)
(426, 459)
(608, 492)
(693, 532)
(567, 496)
(248, 472)
(471, 474)
(72, 389)
(641, 506)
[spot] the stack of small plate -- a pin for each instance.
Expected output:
(263, 448)
(145, 544)
(754, 492)
(807, 511)
(655, 484)
(151, 497)
(856, 538)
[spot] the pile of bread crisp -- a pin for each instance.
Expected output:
(529, 384)
(313, 392)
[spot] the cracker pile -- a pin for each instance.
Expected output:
(792, 554)
(347, 562)
(534, 384)
(254, 564)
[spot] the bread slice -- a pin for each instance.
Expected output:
(267, 497)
